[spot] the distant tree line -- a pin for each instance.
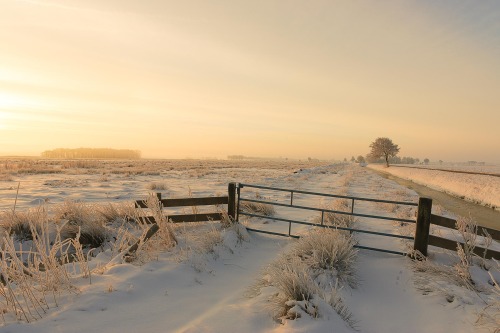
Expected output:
(383, 150)
(396, 160)
(102, 153)
(236, 157)
(243, 157)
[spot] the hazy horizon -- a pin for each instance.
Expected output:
(198, 79)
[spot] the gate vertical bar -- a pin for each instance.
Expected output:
(423, 225)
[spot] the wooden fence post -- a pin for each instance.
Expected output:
(231, 203)
(423, 225)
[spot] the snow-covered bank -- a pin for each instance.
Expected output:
(481, 189)
(184, 290)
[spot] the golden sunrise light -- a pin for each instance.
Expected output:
(317, 79)
(250, 166)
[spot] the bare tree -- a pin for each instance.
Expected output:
(384, 147)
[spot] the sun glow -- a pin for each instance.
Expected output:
(4, 116)
(8, 103)
(13, 107)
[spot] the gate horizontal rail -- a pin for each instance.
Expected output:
(328, 226)
(241, 185)
(328, 210)
(355, 246)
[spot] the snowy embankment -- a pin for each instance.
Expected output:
(481, 189)
(203, 283)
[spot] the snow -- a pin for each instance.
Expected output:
(481, 189)
(185, 290)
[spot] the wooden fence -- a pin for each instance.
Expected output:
(229, 200)
(422, 237)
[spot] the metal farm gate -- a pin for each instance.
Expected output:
(241, 199)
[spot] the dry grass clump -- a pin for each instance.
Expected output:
(433, 277)
(76, 213)
(337, 219)
(295, 287)
(458, 274)
(209, 241)
(33, 280)
(308, 276)
(38, 171)
(82, 220)
(59, 245)
(329, 250)
(226, 220)
(455, 281)
(257, 207)
(165, 237)
(489, 317)
(205, 242)
(124, 211)
(65, 183)
(81, 164)
(156, 186)
(467, 228)
(20, 224)
(90, 235)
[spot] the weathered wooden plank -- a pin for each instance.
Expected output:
(141, 204)
(495, 234)
(452, 245)
(443, 221)
(451, 223)
(180, 202)
(151, 231)
(147, 219)
(202, 217)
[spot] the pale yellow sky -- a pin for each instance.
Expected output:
(267, 78)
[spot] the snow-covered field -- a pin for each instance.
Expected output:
(481, 189)
(200, 288)
(54, 181)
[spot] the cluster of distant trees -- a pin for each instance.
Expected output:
(398, 160)
(102, 153)
(383, 150)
